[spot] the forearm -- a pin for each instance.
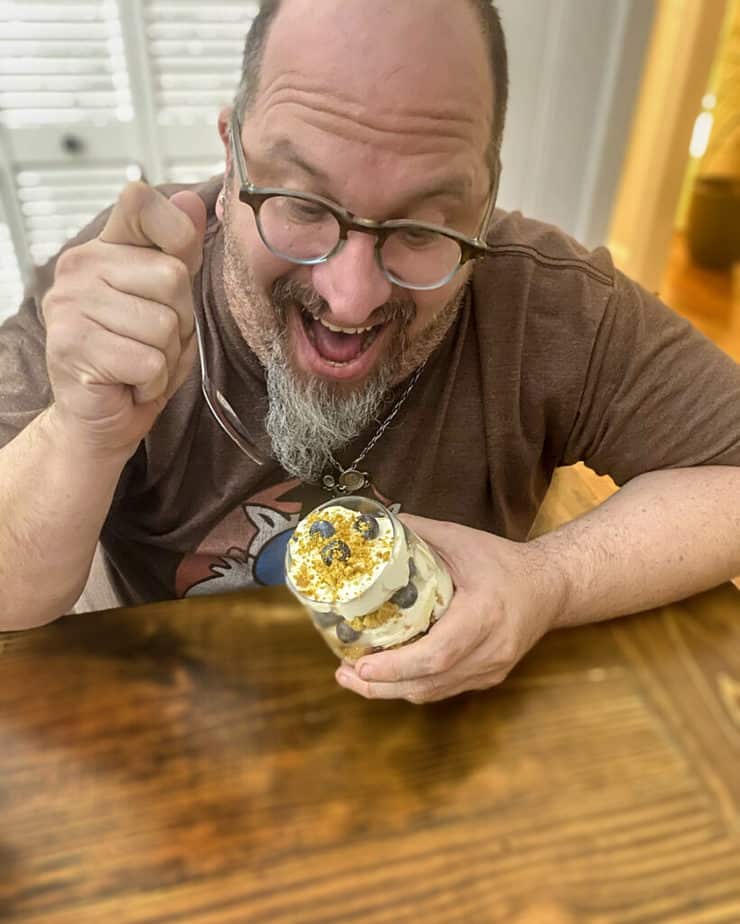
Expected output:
(664, 536)
(54, 496)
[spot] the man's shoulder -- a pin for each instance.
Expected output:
(528, 250)
(538, 286)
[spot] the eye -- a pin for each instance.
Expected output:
(303, 211)
(417, 238)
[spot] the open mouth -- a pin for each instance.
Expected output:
(327, 350)
(338, 345)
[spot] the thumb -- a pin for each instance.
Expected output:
(444, 537)
(143, 217)
(195, 208)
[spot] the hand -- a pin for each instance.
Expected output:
(505, 600)
(119, 319)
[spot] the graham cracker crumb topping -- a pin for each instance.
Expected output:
(339, 553)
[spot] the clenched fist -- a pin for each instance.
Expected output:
(119, 319)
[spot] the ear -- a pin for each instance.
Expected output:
(220, 205)
(224, 120)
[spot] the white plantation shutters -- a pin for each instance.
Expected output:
(11, 284)
(96, 92)
(57, 201)
(195, 52)
(62, 63)
(66, 112)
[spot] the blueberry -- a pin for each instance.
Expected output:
(325, 620)
(335, 549)
(322, 528)
(367, 526)
(345, 632)
(406, 596)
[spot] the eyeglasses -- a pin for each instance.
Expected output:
(217, 403)
(308, 229)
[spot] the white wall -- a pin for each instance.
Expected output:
(575, 71)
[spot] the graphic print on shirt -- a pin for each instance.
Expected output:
(247, 548)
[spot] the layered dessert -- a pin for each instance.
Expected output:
(368, 582)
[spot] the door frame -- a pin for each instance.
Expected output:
(679, 64)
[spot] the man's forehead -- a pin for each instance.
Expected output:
(404, 57)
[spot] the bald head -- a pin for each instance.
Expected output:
(437, 50)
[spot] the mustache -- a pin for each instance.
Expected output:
(289, 292)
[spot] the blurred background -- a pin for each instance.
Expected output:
(623, 129)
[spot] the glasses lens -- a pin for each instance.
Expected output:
(417, 257)
(298, 228)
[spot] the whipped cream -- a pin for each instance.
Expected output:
(368, 581)
(337, 555)
(434, 592)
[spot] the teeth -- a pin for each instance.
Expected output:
(345, 330)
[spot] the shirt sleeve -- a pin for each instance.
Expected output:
(24, 383)
(657, 394)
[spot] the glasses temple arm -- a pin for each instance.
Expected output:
(483, 230)
(236, 145)
(205, 384)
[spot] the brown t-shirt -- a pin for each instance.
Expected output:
(555, 357)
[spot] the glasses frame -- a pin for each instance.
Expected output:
(221, 411)
(256, 196)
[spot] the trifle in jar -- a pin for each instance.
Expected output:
(367, 580)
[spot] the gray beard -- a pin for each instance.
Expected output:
(309, 419)
(309, 422)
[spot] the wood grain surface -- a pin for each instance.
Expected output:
(195, 762)
(709, 298)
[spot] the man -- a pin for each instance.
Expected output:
(333, 345)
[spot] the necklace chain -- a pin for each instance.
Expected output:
(342, 486)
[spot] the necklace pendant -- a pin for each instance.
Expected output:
(352, 481)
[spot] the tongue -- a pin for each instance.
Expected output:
(337, 348)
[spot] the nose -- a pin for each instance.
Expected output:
(352, 282)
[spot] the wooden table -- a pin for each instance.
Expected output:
(195, 763)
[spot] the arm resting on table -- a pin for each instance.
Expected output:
(664, 536)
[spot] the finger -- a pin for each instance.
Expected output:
(195, 208)
(427, 690)
(151, 274)
(145, 218)
(148, 322)
(349, 679)
(106, 358)
(140, 320)
(449, 641)
(184, 365)
(445, 538)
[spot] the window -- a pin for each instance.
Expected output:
(96, 92)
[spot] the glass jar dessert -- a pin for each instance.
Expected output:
(368, 581)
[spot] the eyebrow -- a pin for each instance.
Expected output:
(453, 187)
